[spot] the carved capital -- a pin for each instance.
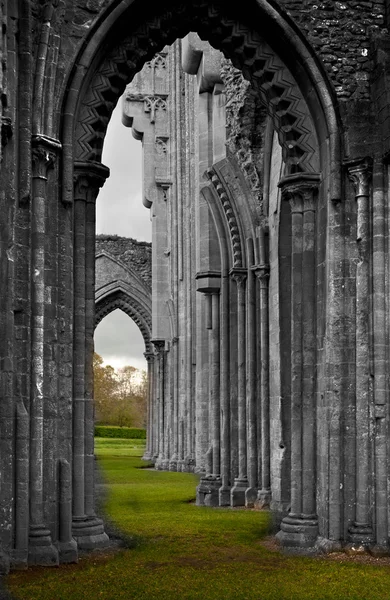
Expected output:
(300, 190)
(159, 345)
(88, 178)
(44, 154)
(149, 357)
(239, 276)
(262, 274)
(360, 173)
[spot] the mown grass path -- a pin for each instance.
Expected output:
(185, 552)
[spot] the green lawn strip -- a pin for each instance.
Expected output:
(119, 447)
(187, 552)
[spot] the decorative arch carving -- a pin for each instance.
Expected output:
(231, 218)
(268, 74)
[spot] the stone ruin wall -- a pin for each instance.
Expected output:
(134, 254)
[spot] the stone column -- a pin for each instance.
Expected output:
(251, 388)
(208, 488)
(174, 407)
(160, 362)
(149, 356)
(87, 529)
(264, 494)
(224, 490)
(299, 530)
(41, 550)
(237, 494)
(361, 531)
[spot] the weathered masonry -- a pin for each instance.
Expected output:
(277, 262)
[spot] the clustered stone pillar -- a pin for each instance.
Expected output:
(41, 550)
(87, 529)
(361, 531)
(241, 482)
(300, 528)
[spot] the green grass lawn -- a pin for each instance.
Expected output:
(182, 551)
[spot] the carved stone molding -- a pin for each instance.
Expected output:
(231, 219)
(360, 174)
(299, 190)
(44, 154)
(88, 177)
(239, 276)
(262, 273)
(270, 78)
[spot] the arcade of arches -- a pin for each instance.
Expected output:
(267, 327)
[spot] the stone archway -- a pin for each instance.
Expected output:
(48, 258)
(305, 124)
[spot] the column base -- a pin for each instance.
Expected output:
(41, 550)
(250, 497)
(189, 463)
(5, 562)
(237, 493)
(379, 550)
(263, 499)
(360, 534)
(173, 464)
(89, 533)
(147, 455)
(18, 561)
(298, 534)
(224, 495)
(68, 552)
(207, 491)
(181, 465)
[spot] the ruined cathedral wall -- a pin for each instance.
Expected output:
(134, 254)
(341, 34)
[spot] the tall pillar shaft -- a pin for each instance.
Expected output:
(160, 404)
(264, 495)
(208, 489)
(41, 549)
(241, 482)
(87, 529)
(361, 530)
(251, 491)
(149, 356)
(299, 530)
(215, 385)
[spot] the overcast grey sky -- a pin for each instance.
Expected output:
(120, 211)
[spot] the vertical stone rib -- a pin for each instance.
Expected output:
(300, 527)
(361, 531)
(160, 350)
(308, 356)
(79, 350)
(241, 482)
(379, 326)
(215, 383)
(41, 550)
(90, 227)
(224, 492)
(149, 356)
(251, 491)
(296, 355)
(21, 478)
(264, 495)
